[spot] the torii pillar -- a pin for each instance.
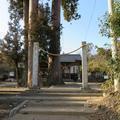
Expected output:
(84, 66)
(35, 65)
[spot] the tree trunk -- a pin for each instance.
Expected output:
(114, 46)
(33, 10)
(54, 61)
(26, 18)
(114, 55)
(16, 75)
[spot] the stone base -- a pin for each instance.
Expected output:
(87, 89)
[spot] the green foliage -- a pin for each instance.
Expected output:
(116, 6)
(104, 52)
(99, 61)
(12, 43)
(114, 66)
(97, 64)
(107, 86)
(41, 31)
(104, 25)
(115, 24)
(113, 72)
(11, 48)
(18, 5)
(112, 22)
(110, 27)
(41, 24)
(70, 8)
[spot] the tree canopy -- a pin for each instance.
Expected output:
(70, 8)
(111, 22)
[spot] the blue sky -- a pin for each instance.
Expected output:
(4, 17)
(75, 31)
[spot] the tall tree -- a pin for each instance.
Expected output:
(26, 19)
(110, 26)
(18, 4)
(12, 45)
(33, 13)
(70, 9)
(22, 8)
(54, 61)
(115, 18)
(70, 13)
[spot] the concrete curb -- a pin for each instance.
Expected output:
(16, 109)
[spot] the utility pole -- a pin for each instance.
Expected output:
(113, 45)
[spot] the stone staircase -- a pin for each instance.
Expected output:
(58, 104)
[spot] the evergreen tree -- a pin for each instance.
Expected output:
(26, 19)
(33, 15)
(70, 9)
(12, 45)
(70, 12)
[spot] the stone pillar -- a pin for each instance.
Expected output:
(84, 66)
(35, 65)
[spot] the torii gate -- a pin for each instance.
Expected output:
(36, 59)
(84, 61)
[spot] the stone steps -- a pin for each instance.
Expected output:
(66, 94)
(49, 117)
(50, 98)
(60, 104)
(57, 110)
(67, 90)
(57, 102)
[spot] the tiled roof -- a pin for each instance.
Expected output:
(70, 58)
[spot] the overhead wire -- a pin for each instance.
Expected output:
(86, 33)
(90, 20)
